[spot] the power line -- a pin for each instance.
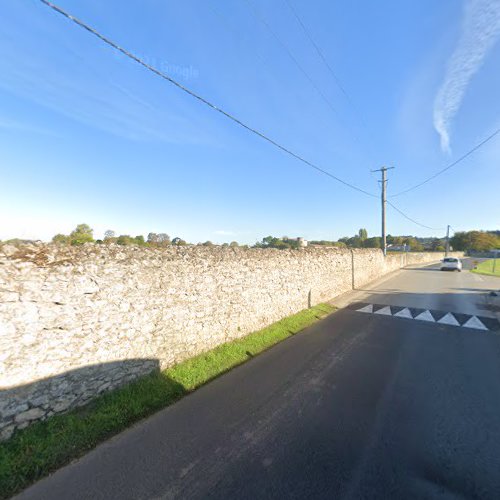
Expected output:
(198, 97)
(475, 148)
(413, 220)
(285, 47)
(261, 19)
(234, 31)
(323, 58)
(334, 76)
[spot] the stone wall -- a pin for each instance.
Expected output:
(77, 321)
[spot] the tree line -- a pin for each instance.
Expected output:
(410, 243)
(467, 241)
(83, 233)
(475, 241)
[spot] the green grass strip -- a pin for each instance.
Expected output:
(486, 267)
(34, 452)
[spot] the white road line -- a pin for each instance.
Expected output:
(475, 323)
(425, 316)
(449, 319)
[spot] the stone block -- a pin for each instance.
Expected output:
(28, 415)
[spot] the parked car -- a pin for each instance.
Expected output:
(451, 264)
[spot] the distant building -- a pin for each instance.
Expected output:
(301, 241)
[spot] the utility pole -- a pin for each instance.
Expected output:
(447, 247)
(383, 243)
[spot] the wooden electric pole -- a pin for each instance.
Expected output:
(383, 243)
(447, 247)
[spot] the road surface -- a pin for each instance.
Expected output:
(361, 405)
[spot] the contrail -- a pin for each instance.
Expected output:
(480, 31)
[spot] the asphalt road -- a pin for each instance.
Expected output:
(358, 406)
(429, 288)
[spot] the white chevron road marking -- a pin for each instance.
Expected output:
(404, 313)
(475, 323)
(425, 316)
(449, 319)
(385, 310)
(366, 309)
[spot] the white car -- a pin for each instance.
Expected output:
(451, 264)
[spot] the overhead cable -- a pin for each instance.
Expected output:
(413, 220)
(199, 97)
(451, 165)
(322, 57)
(261, 19)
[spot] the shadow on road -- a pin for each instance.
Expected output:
(435, 269)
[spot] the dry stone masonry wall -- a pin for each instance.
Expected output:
(78, 321)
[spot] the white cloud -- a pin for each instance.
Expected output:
(480, 31)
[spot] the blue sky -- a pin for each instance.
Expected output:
(86, 135)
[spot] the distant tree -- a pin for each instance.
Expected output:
(279, 243)
(139, 240)
(363, 234)
(60, 238)
(208, 244)
(413, 244)
(459, 241)
(99, 242)
(163, 239)
(81, 234)
(355, 242)
(478, 241)
(373, 242)
(395, 240)
(178, 241)
(153, 238)
(233, 244)
(268, 240)
(340, 244)
(125, 239)
(225, 245)
(435, 244)
(109, 237)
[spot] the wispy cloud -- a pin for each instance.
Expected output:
(14, 125)
(480, 31)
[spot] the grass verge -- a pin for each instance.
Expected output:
(45, 446)
(486, 267)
